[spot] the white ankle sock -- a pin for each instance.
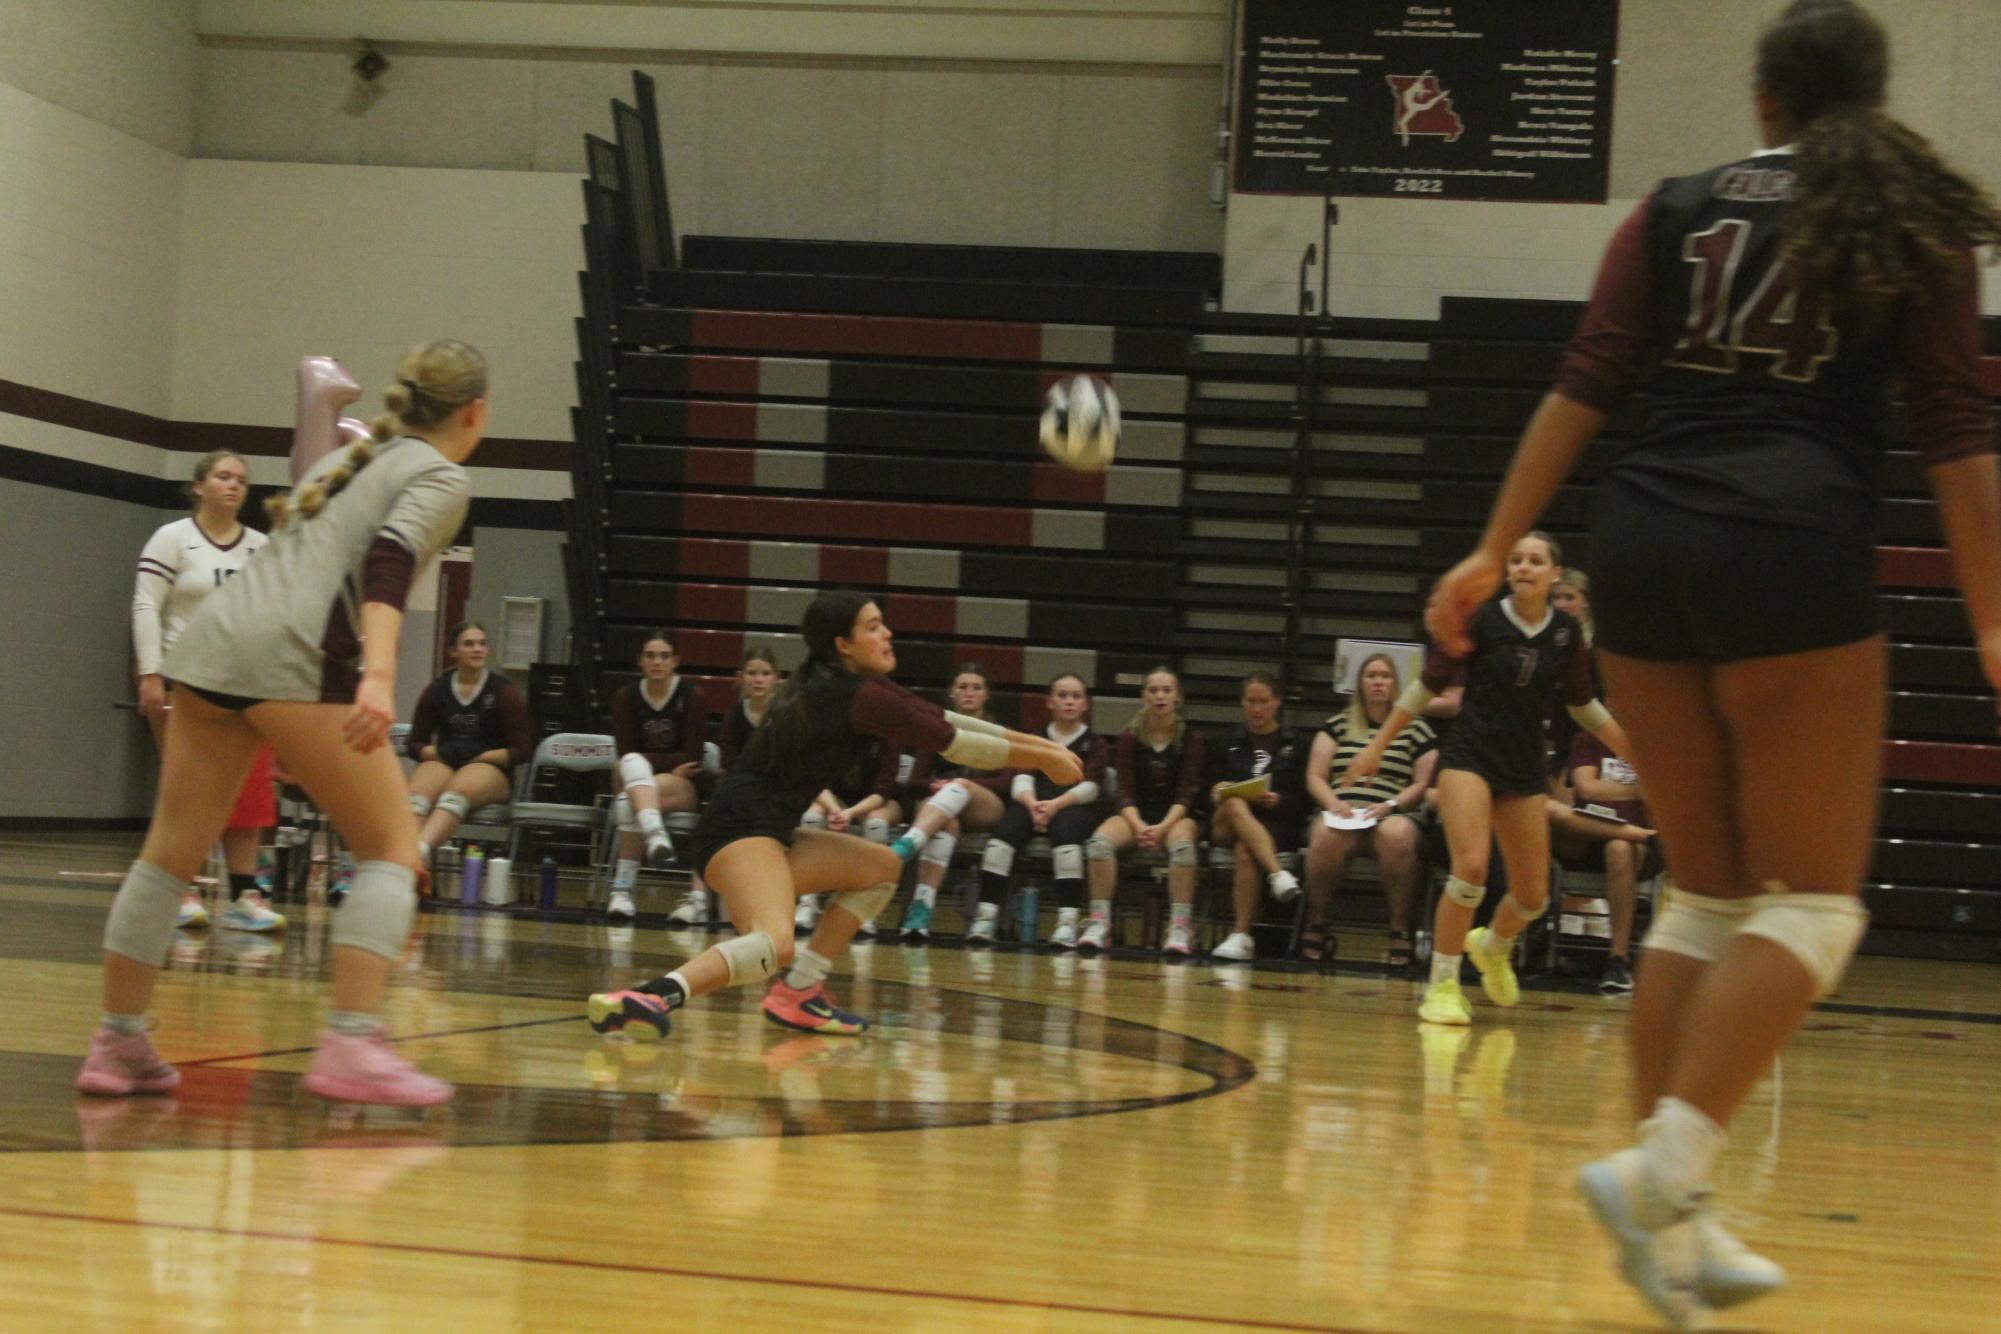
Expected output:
(126, 1024)
(649, 823)
(1101, 910)
(1444, 968)
(1681, 1144)
(1180, 915)
(808, 968)
(925, 894)
(626, 876)
(353, 1023)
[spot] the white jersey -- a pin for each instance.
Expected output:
(180, 566)
(288, 627)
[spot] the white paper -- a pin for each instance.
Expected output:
(1355, 821)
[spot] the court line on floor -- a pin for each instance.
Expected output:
(670, 1271)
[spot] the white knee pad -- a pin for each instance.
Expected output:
(951, 799)
(1098, 850)
(875, 829)
(751, 958)
(380, 904)
(866, 903)
(420, 805)
(635, 771)
(940, 849)
(1822, 931)
(1181, 854)
(814, 818)
(628, 819)
(455, 804)
(1695, 925)
(1068, 861)
(141, 924)
(998, 858)
(1523, 911)
(1464, 894)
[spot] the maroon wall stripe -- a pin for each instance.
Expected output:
(1942, 762)
(1053, 482)
(920, 613)
(718, 649)
(709, 556)
(713, 602)
(723, 375)
(866, 567)
(45, 405)
(1001, 662)
(782, 517)
(1915, 567)
(722, 421)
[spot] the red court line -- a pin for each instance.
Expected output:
(670, 1271)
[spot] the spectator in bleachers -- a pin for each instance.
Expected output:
(182, 563)
(959, 800)
(659, 727)
(1063, 815)
(862, 802)
(1606, 830)
(469, 733)
(1261, 828)
(1385, 814)
(756, 678)
(1159, 768)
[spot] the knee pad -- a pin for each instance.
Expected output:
(1068, 861)
(751, 958)
(455, 804)
(875, 829)
(1464, 894)
(951, 799)
(866, 903)
(939, 850)
(141, 924)
(1523, 911)
(420, 805)
(628, 820)
(380, 904)
(1097, 849)
(814, 818)
(998, 858)
(635, 771)
(1695, 925)
(1822, 931)
(1181, 854)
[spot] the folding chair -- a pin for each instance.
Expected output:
(573, 752)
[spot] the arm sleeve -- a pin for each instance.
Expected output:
(1441, 670)
(885, 709)
(158, 566)
(514, 720)
(1190, 786)
(885, 772)
(386, 573)
(1949, 414)
(423, 724)
(624, 734)
(1578, 687)
(1128, 767)
(1606, 356)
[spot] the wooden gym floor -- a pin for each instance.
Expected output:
(1026, 1142)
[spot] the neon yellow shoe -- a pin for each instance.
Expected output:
(1445, 1004)
(1497, 971)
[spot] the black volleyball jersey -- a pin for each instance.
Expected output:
(1091, 753)
(736, 733)
(1764, 403)
(669, 736)
(1154, 779)
(494, 717)
(1515, 677)
(845, 714)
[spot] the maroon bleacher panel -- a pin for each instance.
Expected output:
(1014, 482)
(1915, 567)
(1990, 376)
(806, 517)
(1941, 762)
(929, 384)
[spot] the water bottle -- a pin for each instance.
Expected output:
(469, 877)
(548, 900)
(1027, 905)
(499, 890)
(267, 872)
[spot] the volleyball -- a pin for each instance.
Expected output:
(1080, 423)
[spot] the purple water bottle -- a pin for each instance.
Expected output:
(469, 877)
(548, 882)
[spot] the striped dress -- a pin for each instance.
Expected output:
(1399, 761)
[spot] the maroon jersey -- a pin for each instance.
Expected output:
(1153, 781)
(1514, 679)
(495, 717)
(669, 736)
(845, 715)
(1765, 403)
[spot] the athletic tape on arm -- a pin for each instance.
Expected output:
(977, 750)
(1414, 697)
(1590, 716)
(962, 722)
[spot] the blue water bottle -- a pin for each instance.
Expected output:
(548, 900)
(470, 876)
(1027, 905)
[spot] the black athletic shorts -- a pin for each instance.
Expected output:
(741, 808)
(233, 703)
(1670, 583)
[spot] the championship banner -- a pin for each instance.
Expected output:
(1478, 99)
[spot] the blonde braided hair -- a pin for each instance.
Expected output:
(432, 382)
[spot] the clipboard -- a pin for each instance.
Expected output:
(1250, 789)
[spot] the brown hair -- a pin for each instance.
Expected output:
(986, 713)
(1876, 210)
(432, 382)
(206, 464)
(1138, 727)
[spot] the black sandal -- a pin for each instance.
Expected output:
(1401, 953)
(1315, 944)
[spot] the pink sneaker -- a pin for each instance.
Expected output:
(810, 1010)
(351, 1069)
(122, 1063)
